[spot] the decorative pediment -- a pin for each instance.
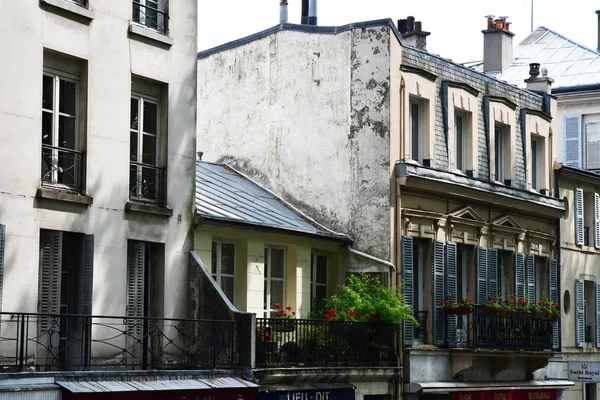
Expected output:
(506, 221)
(467, 216)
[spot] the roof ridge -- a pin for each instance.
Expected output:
(568, 40)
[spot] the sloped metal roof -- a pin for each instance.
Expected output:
(224, 194)
(568, 63)
(155, 385)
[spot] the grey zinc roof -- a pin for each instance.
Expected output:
(568, 63)
(224, 194)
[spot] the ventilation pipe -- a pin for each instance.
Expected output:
(283, 12)
(312, 12)
(304, 19)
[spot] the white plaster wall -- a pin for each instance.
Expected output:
(112, 56)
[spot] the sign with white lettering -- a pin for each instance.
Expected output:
(582, 371)
(305, 393)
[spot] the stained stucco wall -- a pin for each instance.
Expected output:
(307, 115)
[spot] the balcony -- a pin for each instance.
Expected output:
(62, 168)
(482, 330)
(147, 183)
(150, 17)
(300, 342)
(82, 343)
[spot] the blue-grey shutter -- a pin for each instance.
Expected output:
(49, 278)
(438, 292)
(520, 275)
(579, 316)
(451, 287)
(482, 275)
(492, 273)
(407, 286)
(136, 255)
(579, 230)
(573, 142)
(553, 295)
(530, 278)
(597, 314)
(87, 273)
(596, 220)
(2, 244)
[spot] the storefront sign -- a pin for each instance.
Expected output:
(325, 393)
(549, 394)
(584, 371)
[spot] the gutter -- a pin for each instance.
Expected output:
(372, 258)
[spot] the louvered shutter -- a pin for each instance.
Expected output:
(520, 275)
(2, 244)
(87, 273)
(135, 287)
(531, 284)
(482, 275)
(573, 148)
(579, 230)
(596, 220)
(407, 286)
(492, 273)
(49, 275)
(451, 288)
(553, 295)
(579, 316)
(438, 292)
(597, 314)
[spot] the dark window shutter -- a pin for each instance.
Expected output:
(573, 148)
(482, 275)
(579, 316)
(135, 287)
(87, 273)
(596, 220)
(49, 276)
(530, 278)
(493, 285)
(597, 314)
(451, 287)
(2, 244)
(438, 292)
(579, 216)
(407, 286)
(520, 275)
(553, 295)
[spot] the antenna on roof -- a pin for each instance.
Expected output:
(531, 15)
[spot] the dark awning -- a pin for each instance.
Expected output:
(156, 385)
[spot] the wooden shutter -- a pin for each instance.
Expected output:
(579, 216)
(451, 288)
(493, 285)
(579, 316)
(520, 275)
(87, 274)
(407, 286)
(530, 278)
(482, 275)
(135, 286)
(438, 292)
(573, 147)
(2, 244)
(596, 220)
(553, 295)
(597, 314)
(49, 276)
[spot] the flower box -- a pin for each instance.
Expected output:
(490, 310)
(284, 325)
(458, 310)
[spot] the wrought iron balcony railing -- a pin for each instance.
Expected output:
(502, 331)
(76, 342)
(149, 16)
(421, 330)
(147, 183)
(294, 342)
(62, 168)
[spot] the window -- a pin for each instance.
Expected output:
(318, 281)
(501, 154)
(460, 130)
(274, 289)
(592, 145)
(223, 267)
(535, 162)
(151, 13)
(416, 130)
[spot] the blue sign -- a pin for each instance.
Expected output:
(313, 392)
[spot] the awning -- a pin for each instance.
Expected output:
(156, 385)
(446, 387)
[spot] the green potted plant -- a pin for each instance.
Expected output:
(285, 319)
(462, 307)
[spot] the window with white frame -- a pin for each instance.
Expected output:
(274, 288)
(223, 267)
(500, 133)
(318, 280)
(592, 145)
(416, 130)
(460, 130)
(536, 159)
(151, 13)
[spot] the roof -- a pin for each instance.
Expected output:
(224, 194)
(569, 63)
(157, 385)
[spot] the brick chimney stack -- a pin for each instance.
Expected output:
(497, 44)
(412, 33)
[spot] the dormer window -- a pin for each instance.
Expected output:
(416, 130)
(461, 141)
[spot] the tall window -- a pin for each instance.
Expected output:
(318, 280)
(274, 289)
(460, 124)
(151, 13)
(223, 267)
(592, 145)
(535, 163)
(416, 130)
(499, 133)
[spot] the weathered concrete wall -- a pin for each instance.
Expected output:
(112, 57)
(308, 116)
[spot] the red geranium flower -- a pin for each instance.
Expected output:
(293, 312)
(289, 308)
(277, 305)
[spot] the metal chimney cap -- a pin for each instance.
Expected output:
(534, 69)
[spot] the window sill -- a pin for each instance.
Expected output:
(149, 34)
(132, 206)
(70, 9)
(62, 195)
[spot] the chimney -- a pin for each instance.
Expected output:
(304, 19)
(497, 44)
(283, 12)
(412, 33)
(598, 28)
(199, 155)
(535, 82)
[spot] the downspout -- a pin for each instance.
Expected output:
(373, 258)
(558, 251)
(400, 385)
(402, 119)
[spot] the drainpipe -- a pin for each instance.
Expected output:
(373, 258)
(283, 12)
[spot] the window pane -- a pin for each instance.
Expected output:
(149, 184)
(276, 293)
(150, 117)
(321, 269)
(228, 286)
(133, 181)
(266, 263)
(414, 129)
(213, 262)
(459, 142)
(151, 14)
(47, 122)
(67, 102)
(320, 295)
(277, 263)
(48, 93)
(134, 114)
(66, 132)
(534, 164)
(149, 150)
(133, 146)
(227, 258)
